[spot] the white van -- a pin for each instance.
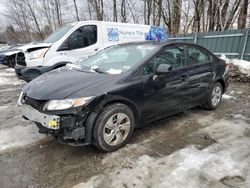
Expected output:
(79, 40)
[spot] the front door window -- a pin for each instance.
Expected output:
(83, 37)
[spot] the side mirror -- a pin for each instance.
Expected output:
(65, 46)
(163, 69)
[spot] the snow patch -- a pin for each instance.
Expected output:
(18, 136)
(10, 70)
(244, 66)
(225, 96)
(8, 77)
(6, 74)
(10, 80)
(223, 164)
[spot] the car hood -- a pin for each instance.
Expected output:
(27, 47)
(63, 82)
(34, 46)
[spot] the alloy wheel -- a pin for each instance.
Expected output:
(116, 129)
(216, 95)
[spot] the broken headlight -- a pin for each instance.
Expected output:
(65, 103)
(37, 54)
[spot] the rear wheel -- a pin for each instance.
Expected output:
(214, 97)
(114, 127)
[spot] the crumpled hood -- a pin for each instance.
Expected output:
(25, 48)
(31, 46)
(63, 82)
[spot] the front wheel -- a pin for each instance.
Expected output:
(214, 97)
(114, 127)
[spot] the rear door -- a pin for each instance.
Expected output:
(165, 94)
(200, 71)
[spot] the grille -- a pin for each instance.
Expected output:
(37, 104)
(20, 59)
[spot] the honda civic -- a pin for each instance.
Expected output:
(104, 97)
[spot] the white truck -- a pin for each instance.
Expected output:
(79, 40)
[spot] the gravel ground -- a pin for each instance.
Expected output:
(29, 159)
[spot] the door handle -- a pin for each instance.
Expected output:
(96, 49)
(183, 77)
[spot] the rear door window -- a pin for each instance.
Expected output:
(196, 56)
(83, 37)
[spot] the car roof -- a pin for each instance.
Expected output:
(158, 43)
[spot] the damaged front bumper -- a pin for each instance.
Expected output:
(48, 121)
(67, 126)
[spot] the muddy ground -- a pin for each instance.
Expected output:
(43, 162)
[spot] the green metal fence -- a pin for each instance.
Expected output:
(232, 43)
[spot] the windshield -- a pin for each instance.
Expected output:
(117, 59)
(58, 34)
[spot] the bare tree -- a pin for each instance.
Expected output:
(56, 4)
(123, 11)
(76, 9)
(224, 11)
(34, 20)
(46, 11)
(98, 7)
(176, 16)
(114, 11)
(232, 13)
(243, 15)
(159, 3)
(30, 4)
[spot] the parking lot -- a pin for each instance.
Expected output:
(30, 159)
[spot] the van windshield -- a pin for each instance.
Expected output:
(58, 34)
(117, 59)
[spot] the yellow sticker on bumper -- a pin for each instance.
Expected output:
(53, 124)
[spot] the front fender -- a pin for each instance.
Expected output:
(96, 106)
(51, 61)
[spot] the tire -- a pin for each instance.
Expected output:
(110, 133)
(214, 97)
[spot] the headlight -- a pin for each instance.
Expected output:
(37, 54)
(66, 103)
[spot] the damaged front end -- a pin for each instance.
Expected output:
(9, 58)
(68, 126)
(30, 56)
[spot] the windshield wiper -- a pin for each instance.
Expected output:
(98, 70)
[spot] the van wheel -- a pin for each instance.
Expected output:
(114, 127)
(30, 75)
(214, 97)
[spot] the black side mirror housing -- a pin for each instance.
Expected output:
(163, 69)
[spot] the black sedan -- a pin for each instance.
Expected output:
(106, 96)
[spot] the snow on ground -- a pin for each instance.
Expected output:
(14, 131)
(225, 96)
(18, 136)
(223, 164)
(244, 66)
(8, 77)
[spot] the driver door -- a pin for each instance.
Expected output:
(82, 42)
(165, 94)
